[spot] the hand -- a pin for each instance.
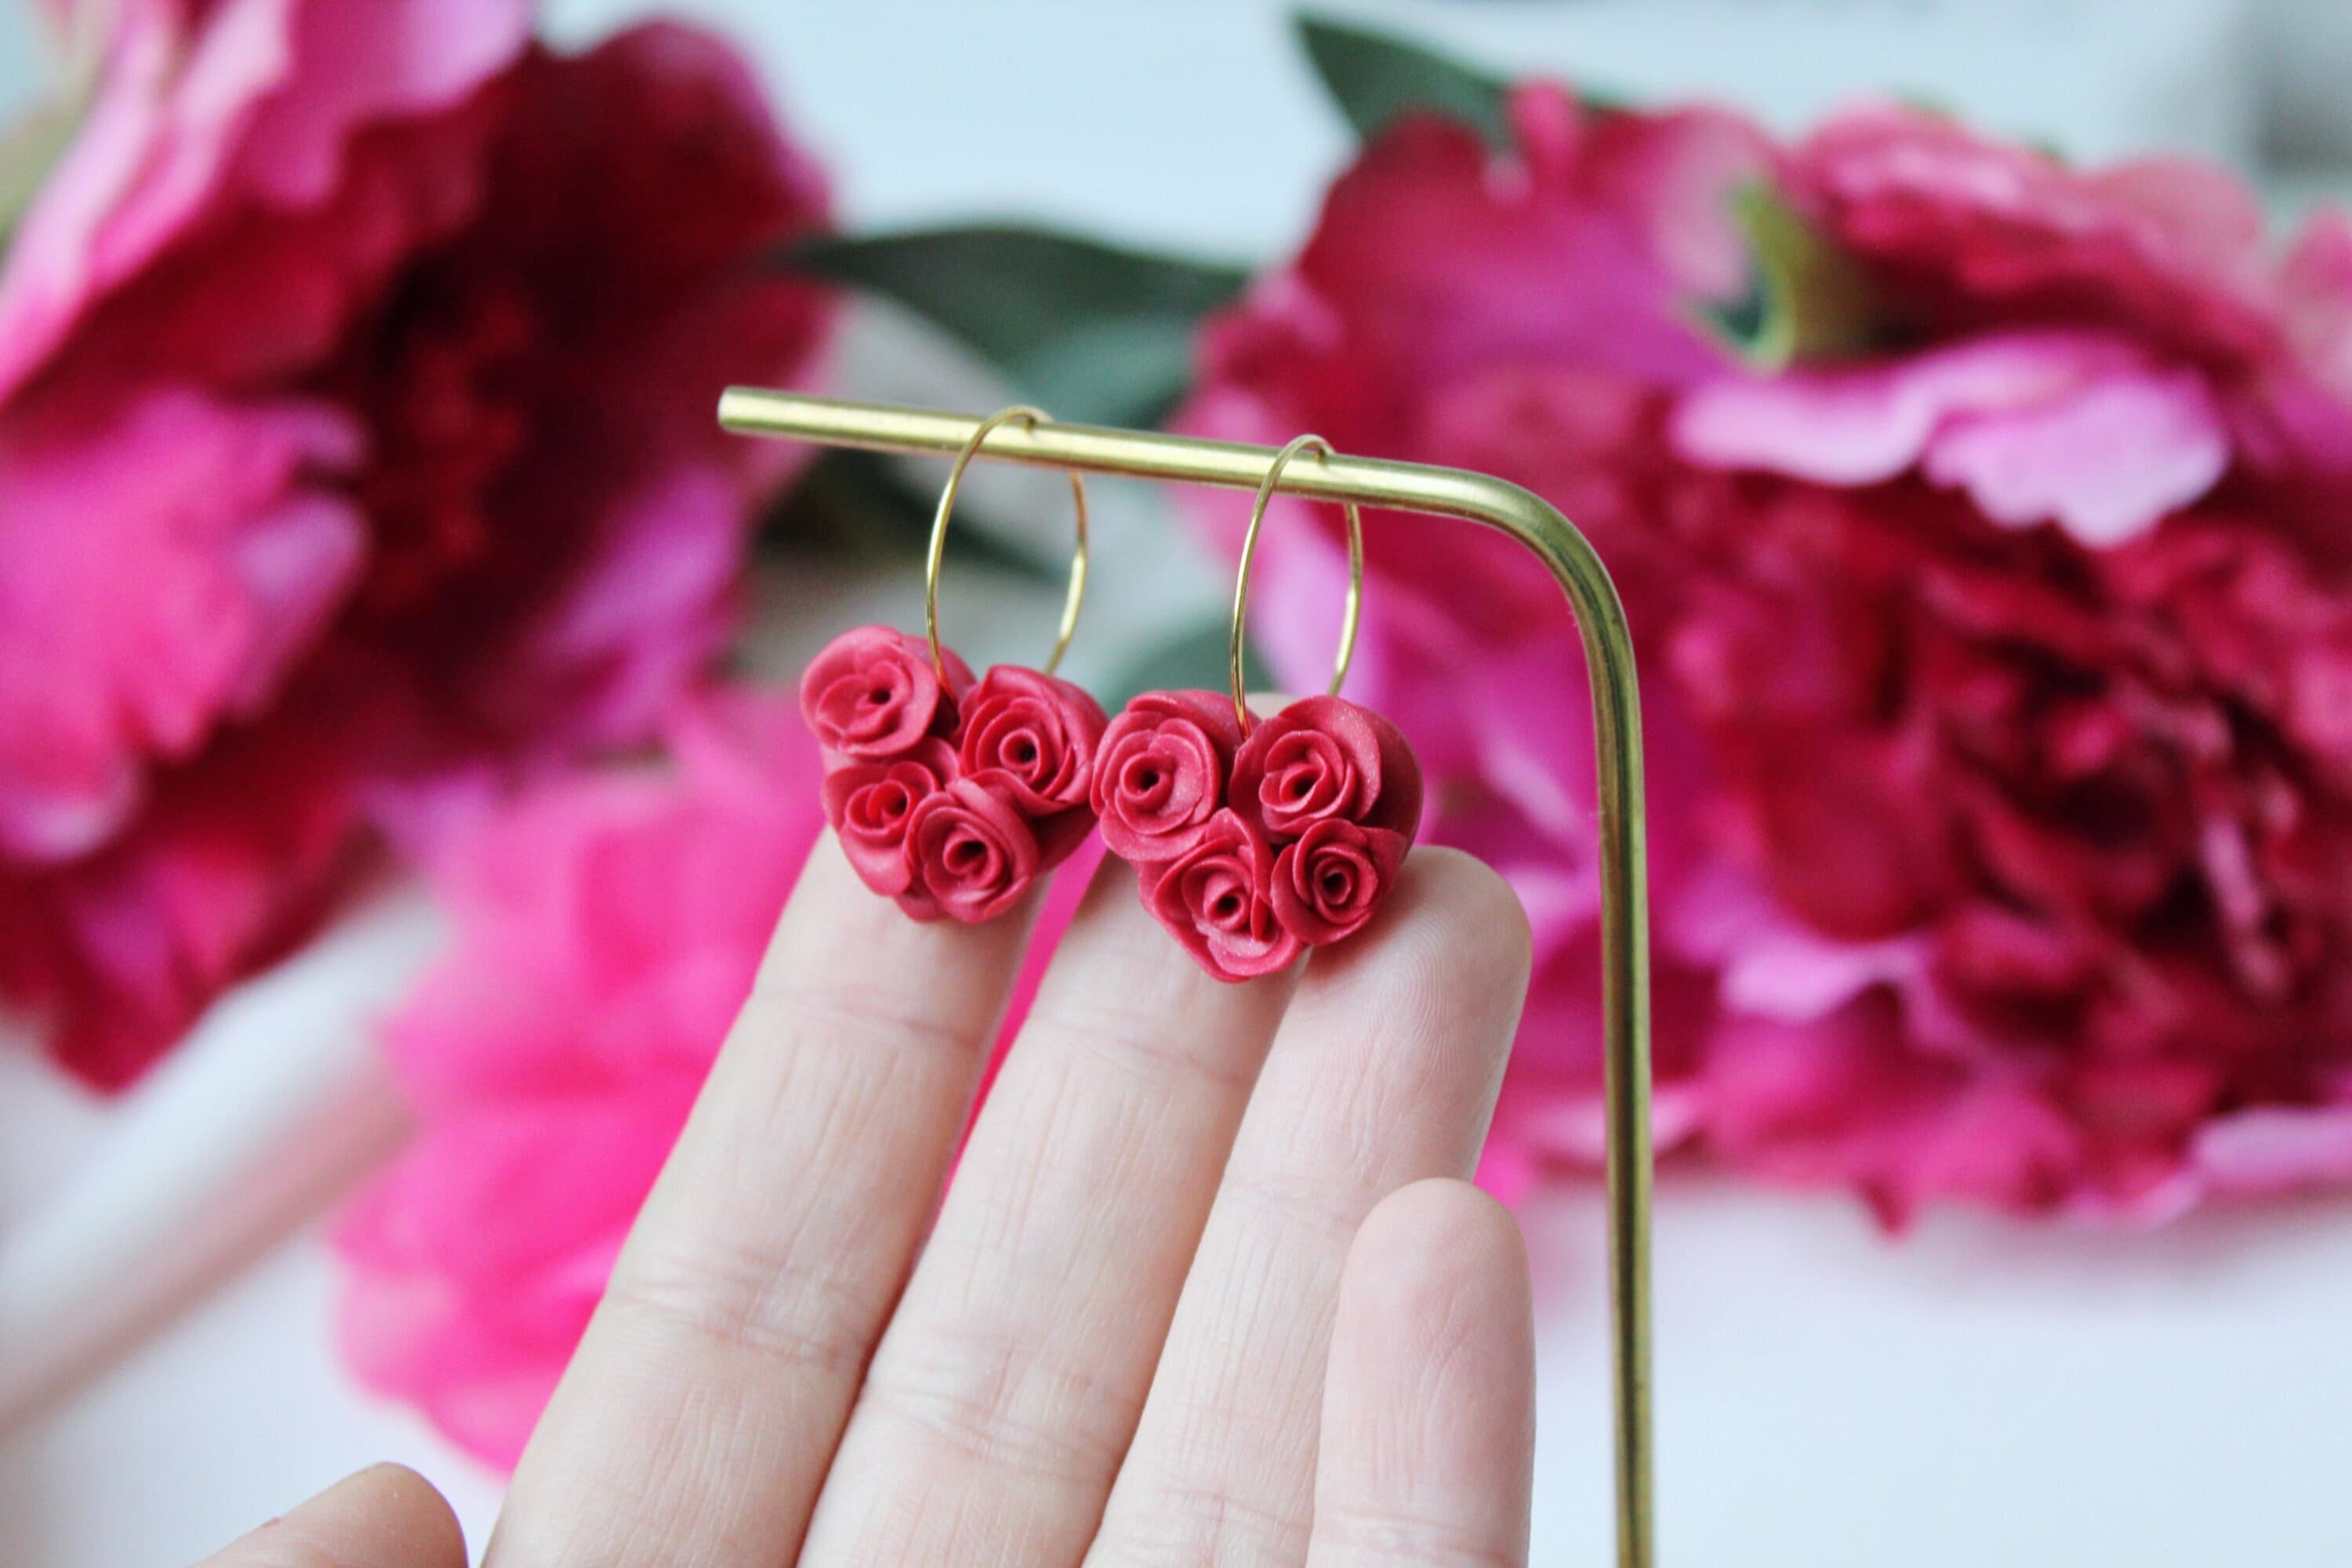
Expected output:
(1207, 1286)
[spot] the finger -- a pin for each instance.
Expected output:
(698, 1418)
(1008, 1386)
(1429, 1410)
(1384, 1072)
(387, 1517)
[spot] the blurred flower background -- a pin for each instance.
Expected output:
(1961, 398)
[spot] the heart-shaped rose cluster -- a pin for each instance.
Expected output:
(1253, 848)
(951, 797)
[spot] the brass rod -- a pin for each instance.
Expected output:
(1617, 725)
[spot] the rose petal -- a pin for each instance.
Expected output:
(1033, 736)
(973, 854)
(1216, 900)
(1161, 774)
(1332, 880)
(1326, 757)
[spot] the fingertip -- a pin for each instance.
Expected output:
(1449, 953)
(1434, 1250)
(428, 1526)
(1429, 1421)
(386, 1516)
(1467, 891)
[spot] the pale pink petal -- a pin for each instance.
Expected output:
(199, 112)
(2040, 427)
(2275, 1148)
(2106, 461)
(357, 64)
(1863, 426)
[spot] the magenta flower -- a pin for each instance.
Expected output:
(356, 362)
(1995, 674)
(607, 926)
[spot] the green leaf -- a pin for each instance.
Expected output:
(1196, 658)
(1093, 332)
(1806, 299)
(863, 507)
(1375, 76)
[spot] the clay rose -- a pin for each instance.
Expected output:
(1328, 884)
(1324, 757)
(869, 806)
(1217, 899)
(972, 854)
(1161, 774)
(1033, 737)
(872, 694)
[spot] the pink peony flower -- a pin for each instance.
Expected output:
(1217, 899)
(1995, 677)
(606, 928)
(355, 369)
(1161, 771)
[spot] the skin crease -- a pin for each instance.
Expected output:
(1209, 1284)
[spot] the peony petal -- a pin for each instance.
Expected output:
(2106, 462)
(607, 927)
(2270, 1150)
(160, 569)
(204, 109)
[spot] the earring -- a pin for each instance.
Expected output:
(951, 795)
(1255, 840)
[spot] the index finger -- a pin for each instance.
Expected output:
(698, 1418)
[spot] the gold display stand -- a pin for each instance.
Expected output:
(1617, 722)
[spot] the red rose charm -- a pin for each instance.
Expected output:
(869, 806)
(1217, 898)
(873, 694)
(1161, 772)
(1033, 739)
(1324, 757)
(950, 797)
(1252, 850)
(1327, 885)
(971, 853)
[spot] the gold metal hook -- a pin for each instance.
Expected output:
(1076, 597)
(1622, 852)
(1347, 618)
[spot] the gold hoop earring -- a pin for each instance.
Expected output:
(1071, 602)
(1354, 605)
